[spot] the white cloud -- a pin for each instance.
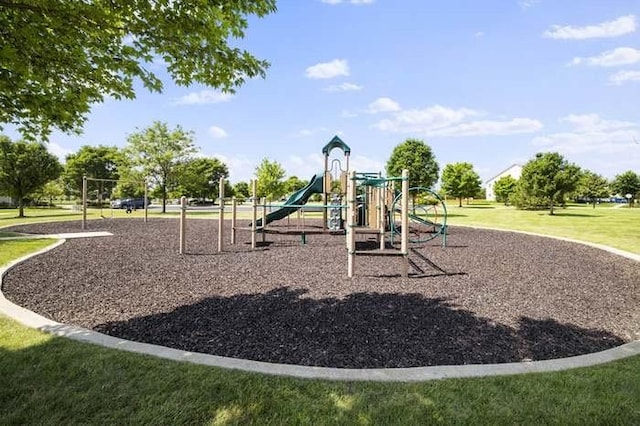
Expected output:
(490, 127)
(438, 120)
(425, 120)
(203, 97)
(59, 151)
(479, 34)
(592, 134)
(304, 167)
(593, 123)
(621, 26)
(622, 77)
(383, 104)
(240, 168)
(344, 87)
(335, 68)
(366, 164)
(611, 58)
(217, 132)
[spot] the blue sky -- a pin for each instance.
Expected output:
(490, 82)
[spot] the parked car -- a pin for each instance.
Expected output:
(129, 203)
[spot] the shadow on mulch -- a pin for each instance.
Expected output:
(363, 330)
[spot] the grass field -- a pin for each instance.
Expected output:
(52, 380)
(617, 227)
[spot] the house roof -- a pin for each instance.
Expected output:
(502, 172)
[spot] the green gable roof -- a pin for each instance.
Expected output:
(336, 142)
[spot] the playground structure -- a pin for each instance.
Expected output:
(374, 206)
(85, 186)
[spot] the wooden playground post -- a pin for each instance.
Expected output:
(221, 215)
(84, 202)
(264, 218)
(146, 202)
(234, 208)
(183, 222)
(254, 227)
(351, 221)
(381, 205)
(404, 235)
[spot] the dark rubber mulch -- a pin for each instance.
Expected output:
(489, 297)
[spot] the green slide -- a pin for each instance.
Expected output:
(298, 198)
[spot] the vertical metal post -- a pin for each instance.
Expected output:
(183, 222)
(84, 202)
(221, 215)
(325, 218)
(351, 222)
(404, 244)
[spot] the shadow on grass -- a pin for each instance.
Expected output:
(567, 214)
(361, 330)
(450, 215)
(70, 214)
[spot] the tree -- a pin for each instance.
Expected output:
(200, 177)
(25, 167)
(131, 184)
(627, 183)
(592, 186)
(60, 57)
(98, 162)
(415, 156)
(293, 184)
(461, 181)
(241, 190)
(504, 187)
(157, 150)
(545, 181)
(50, 191)
(269, 175)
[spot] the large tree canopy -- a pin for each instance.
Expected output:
(415, 156)
(269, 175)
(157, 151)
(200, 177)
(98, 162)
(504, 187)
(461, 181)
(545, 181)
(59, 57)
(25, 167)
(627, 183)
(592, 186)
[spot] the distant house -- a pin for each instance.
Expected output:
(515, 170)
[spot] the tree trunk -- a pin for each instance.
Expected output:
(459, 201)
(20, 208)
(551, 210)
(164, 197)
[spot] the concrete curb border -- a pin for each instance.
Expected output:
(414, 374)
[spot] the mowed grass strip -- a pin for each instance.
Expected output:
(52, 380)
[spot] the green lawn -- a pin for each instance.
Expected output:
(52, 380)
(616, 227)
